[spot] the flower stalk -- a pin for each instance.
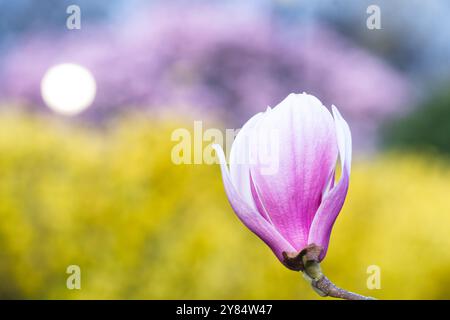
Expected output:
(307, 261)
(325, 288)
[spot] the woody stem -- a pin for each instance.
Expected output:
(324, 287)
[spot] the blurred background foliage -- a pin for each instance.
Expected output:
(112, 202)
(428, 127)
(99, 190)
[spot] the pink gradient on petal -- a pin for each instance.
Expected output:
(252, 219)
(332, 203)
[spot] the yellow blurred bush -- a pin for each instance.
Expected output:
(111, 201)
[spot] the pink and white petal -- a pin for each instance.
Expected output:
(344, 139)
(307, 154)
(329, 185)
(333, 201)
(259, 205)
(240, 159)
(250, 217)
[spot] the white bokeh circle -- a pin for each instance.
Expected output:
(68, 88)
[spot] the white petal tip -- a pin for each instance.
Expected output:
(335, 110)
(219, 153)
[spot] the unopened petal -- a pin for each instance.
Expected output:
(333, 201)
(240, 159)
(297, 152)
(250, 217)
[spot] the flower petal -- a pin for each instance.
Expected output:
(307, 154)
(258, 202)
(250, 217)
(333, 201)
(240, 159)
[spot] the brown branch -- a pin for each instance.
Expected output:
(307, 261)
(326, 288)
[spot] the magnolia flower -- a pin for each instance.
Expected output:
(296, 205)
